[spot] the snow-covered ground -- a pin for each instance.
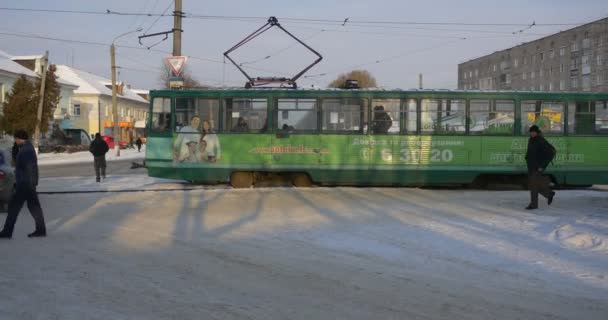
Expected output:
(130, 182)
(320, 253)
(85, 156)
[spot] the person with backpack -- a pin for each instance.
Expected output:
(99, 148)
(138, 143)
(540, 153)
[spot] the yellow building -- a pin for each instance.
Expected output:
(91, 107)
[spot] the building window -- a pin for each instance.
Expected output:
(574, 46)
(465, 75)
(524, 75)
(76, 110)
(541, 73)
(551, 70)
(525, 61)
(562, 85)
(561, 68)
(586, 64)
(574, 83)
(598, 81)
(515, 63)
(550, 86)
(494, 68)
(562, 51)
(542, 56)
(586, 83)
(107, 111)
(532, 74)
(508, 78)
(541, 87)
(598, 58)
(551, 54)
(586, 43)
(470, 74)
(476, 72)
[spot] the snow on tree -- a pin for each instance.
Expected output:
(363, 77)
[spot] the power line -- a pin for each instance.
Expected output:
(107, 12)
(155, 21)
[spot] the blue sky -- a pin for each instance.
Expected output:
(403, 51)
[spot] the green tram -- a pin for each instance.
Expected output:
(372, 137)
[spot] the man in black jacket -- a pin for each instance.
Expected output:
(538, 157)
(99, 148)
(26, 180)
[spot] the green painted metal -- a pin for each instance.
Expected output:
(367, 159)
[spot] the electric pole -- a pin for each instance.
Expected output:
(44, 65)
(420, 81)
(177, 28)
(114, 102)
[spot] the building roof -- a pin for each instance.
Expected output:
(8, 65)
(89, 83)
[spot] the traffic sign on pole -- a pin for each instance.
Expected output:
(177, 64)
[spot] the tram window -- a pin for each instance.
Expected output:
(443, 116)
(196, 115)
(161, 115)
(601, 117)
(245, 115)
(297, 114)
(492, 117)
(386, 114)
(343, 115)
(547, 115)
(588, 117)
(412, 116)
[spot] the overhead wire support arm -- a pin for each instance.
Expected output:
(259, 81)
(165, 33)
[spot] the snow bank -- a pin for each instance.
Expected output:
(85, 156)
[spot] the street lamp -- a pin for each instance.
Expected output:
(114, 104)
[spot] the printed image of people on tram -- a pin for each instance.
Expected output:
(194, 145)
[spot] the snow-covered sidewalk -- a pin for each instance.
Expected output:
(85, 156)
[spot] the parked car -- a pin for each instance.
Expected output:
(110, 141)
(7, 178)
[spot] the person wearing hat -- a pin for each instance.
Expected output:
(539, 155)
(26, 180)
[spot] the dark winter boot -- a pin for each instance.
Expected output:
(97, 179)
(550, 199)
(5, 235)
(36, 234)
(531, 207)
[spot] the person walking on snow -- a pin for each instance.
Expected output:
(26, 180)
(138, 142)
(540, 153)
(99, 148)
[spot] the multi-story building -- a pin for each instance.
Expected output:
(571, 60)
(91, 107)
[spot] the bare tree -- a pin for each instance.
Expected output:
(363, 77)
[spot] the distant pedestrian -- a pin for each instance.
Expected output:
(99, 148)
(26, 181)
(540, 153)
(138, 142)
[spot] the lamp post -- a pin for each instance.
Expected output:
(114, 103)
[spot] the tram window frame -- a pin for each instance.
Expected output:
(494, 108)
(158, 126)
(198, 111)
(280, 112)
(395, 111)
(438, 112)
(363, 103)
(228, 123)
(410, 111)
(539, 107)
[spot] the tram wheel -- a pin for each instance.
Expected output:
(301, 180)
(241, 180)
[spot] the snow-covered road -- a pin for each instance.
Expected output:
(321, 253)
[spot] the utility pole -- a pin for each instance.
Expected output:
(420, 81)
(114, 103)
(177, 28)
(44, 66)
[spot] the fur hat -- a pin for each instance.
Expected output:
(21, 134)
(534, 128)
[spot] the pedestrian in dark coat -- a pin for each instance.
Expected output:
(26, 180)
(14, 153)
(539, 155)
(138, 142)
(99, 148)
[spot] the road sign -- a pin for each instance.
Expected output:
(176, 82)
(177, 64)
